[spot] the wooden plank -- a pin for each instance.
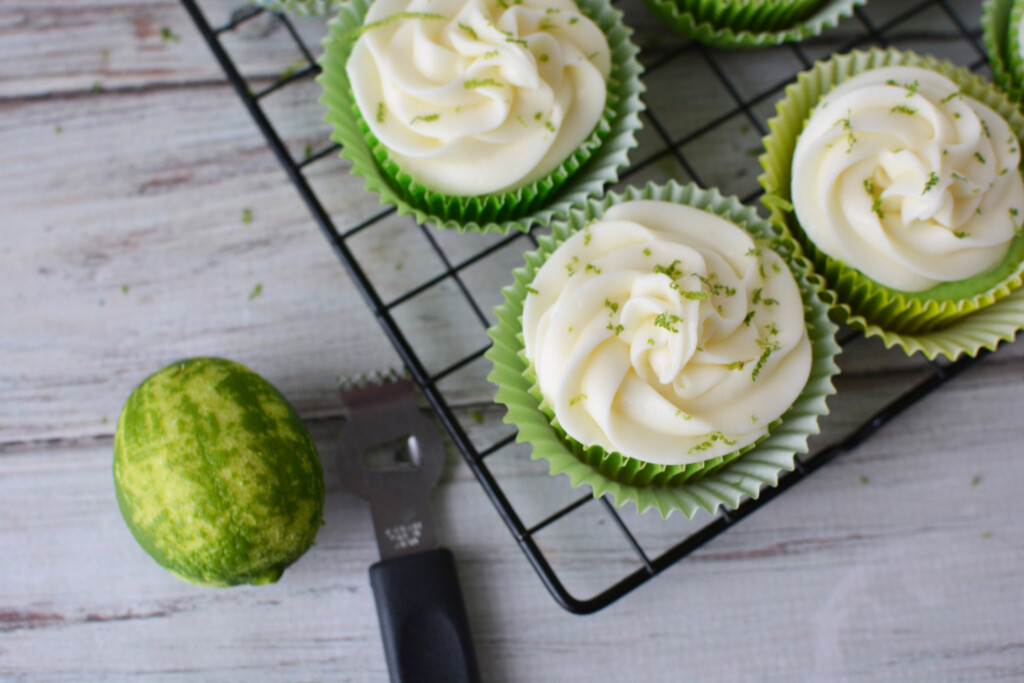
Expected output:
(61, 48)
(129, 254)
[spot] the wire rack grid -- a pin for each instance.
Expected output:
(707, 112)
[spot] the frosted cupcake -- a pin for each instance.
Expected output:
(905, 189)
(476, 111)
(751, 23)
(660, 342)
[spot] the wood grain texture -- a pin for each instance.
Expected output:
(123, 248)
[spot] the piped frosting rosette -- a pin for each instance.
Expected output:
(664, 332)
(472, 98)
(475, 114)
(745, 24)
(899, 176)
(659, 349)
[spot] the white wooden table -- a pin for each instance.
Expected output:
(126, 163)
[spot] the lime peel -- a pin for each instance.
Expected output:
(216, 475)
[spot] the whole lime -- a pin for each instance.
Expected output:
(216, 475)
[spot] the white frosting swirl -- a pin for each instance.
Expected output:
(479, 96)
(901, 177)
(664, 333)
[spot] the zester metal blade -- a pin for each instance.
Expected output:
(391, 456)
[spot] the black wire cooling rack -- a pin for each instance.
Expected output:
(706, 115)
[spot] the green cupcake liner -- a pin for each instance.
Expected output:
(827, 16)
(582, 175)
(984, 329)
(861, 302)
(299, 7)
(687, 488)
(999, 20)
(1012, 59)
(995, 22)
(766, 15)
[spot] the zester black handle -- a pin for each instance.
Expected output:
(423, 619)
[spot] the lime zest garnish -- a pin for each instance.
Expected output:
(669, 270)
(427, 119)
(710, 441)
(667, 320)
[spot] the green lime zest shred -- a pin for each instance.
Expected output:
(666, 321)
(669, 270)
(427, 119)
(711, 439)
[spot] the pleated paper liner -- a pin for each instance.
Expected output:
(1014, 62)
(909, 319)
(766, 15)
(687, 488)
(995, 20)
(300, 7)
(585, 173)
(826, 16)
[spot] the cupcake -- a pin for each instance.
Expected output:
(482, 115)
(666, 347)
(899, 176)
(751, 23)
